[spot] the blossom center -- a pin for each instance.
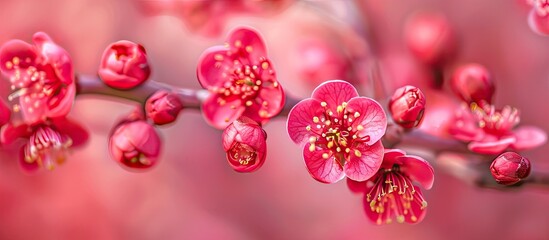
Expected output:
(47, 147)
(243, 154)
(335, 133)
(394, 195)
(494, 121)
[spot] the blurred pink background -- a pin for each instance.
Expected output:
(194, 194)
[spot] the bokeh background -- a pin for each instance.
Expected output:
(194, 194)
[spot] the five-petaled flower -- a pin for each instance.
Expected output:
(47, 144)
(245, 143)
(391, 194)
(340, 132)
(491, 131)
(240, 79)
(41, 77)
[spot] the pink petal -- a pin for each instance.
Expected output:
(528, 137)
(356, 187)
(323, 170)
(334, 92)
(300, 117)
(418, 169)
(75, 131)
(242, 38)
(221, 115)
(275, 98)
(61, 104)
(212, 65)
(538, 24)
(9, 133)
(56, 56)
(363, 167)
(19, 49)
(372, 117)
(377, 218)
(144, 137)
(391, 157)
(491, 146)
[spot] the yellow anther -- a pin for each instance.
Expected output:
(238, 43)
(330, 144)
(312, 139)
(358, 153)
(312, 147)
(357, 114)
(325, 155)
(400, 219)
(328, 122)
(347, 150)
(249, 103)
(338, 149)
(249, 49)
(316, 120)
(359, 127)
(218, 57)
(265, 65)
(323, 104)
(339, 109)
(308, 127)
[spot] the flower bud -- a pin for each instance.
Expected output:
(407, 106)
(538, 19)
(245, 143)
(509, 168)
(163, 107)
(135, 144)
(124, 65)
(5, 113)
(473, 83)
(430, 38)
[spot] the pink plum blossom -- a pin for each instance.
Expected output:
(491, 131)
(245, 143)
(390, 193)
(41, 77)
(240, 79)
(340, 132)
(47, 144)
(124, 65)
(135, 144)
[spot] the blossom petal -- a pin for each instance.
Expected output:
(372, 118)
(9, 133)
(323, 170)
(212, 65)
(491, 146)
(16, 49)
(56, 56)
(275, 98)
(248, 40)
(363, 166)
(391, 157)
(75, 131)
(418, 169)
(528, 137)
(334, 93)
(220, 115)
(300, 119)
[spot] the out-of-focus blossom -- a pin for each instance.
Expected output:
(407, 106)
(41, 77)
(509, 168)
(209, 17)
(5, 113)
(538, 19)
(340, 132)
(47, 144)
(163, 107)
(240, 79)
(430, 37)
(318, 62)
(245, 143)
(124, 65)
(390, 193)
(135, 144)
(491, 131)
(473, 83)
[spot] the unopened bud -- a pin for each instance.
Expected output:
(509, 168)
(245, 143)
(124, 65)
(473, 83)
(163, 107)
(407, 106)
(135, 144)
(538, 19)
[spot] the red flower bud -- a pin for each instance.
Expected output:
(124, 65)
(407, 106)
(135, 144)
(5, 113)
(538, 19)
(430, 38)
(163, 107)
(509, 168)
(473, 83)
(245, 143)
